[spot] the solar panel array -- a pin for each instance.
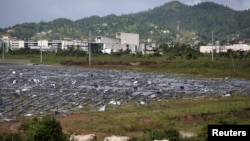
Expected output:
(27, 90)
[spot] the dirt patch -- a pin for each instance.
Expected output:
(73, 118)
(11, 126)
(144, 120)
(135, 63)
(109, 63)
(77, 116)
(195, 117)
(15, 126)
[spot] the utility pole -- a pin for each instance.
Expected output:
(89, 48)
(232, 61)
(178, 23)
(3, 49)
(212, 46)
(41, 54)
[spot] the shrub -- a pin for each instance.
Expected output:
(45, 129)
(10, 137)
(170, 134)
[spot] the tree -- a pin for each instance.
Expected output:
(45, 129)
(164, 47)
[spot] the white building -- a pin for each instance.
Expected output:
(49, 45)
(242, 47)
(129, 41)
(16, 44)
(77, 44)
(43, 44)
(123, 41)
(217, 49)
(31, 44)
(109, 44)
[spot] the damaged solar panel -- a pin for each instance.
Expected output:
(39, 89)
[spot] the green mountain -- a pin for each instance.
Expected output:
(160, 24)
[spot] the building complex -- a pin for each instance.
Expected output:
(122, 41)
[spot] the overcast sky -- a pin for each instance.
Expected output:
(14, 12)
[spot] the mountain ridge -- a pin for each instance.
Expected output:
(197, 20)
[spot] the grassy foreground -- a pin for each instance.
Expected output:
(186, 115)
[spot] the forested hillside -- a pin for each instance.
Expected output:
(159, 24)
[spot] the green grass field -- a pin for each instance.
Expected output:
(184, 115)
(202, 67)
